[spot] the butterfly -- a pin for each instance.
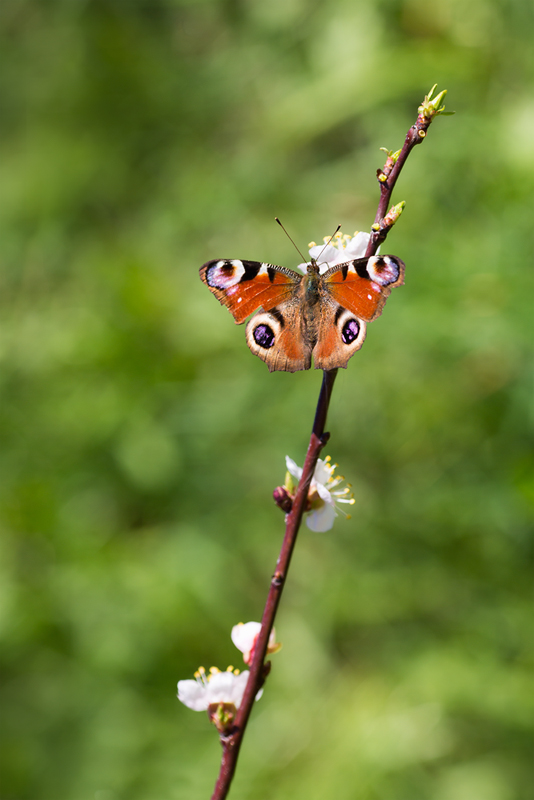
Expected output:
(304, 316)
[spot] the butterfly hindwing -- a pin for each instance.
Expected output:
(362, 286)
(244, 286)
(341, 333)
(278, 337)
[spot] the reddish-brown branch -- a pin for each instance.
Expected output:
(231, 742)
(416, 134)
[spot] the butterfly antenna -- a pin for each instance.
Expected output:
(327, 243)
(291, 240)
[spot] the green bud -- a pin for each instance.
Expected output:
(431, 106)
(391, 156)
(394, 213)
(290, 484)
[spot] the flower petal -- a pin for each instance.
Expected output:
(324, 494)
(292, 468)
(322, 519)
(358, 245)
(193, 694)
(240, 684)
(321, 473)
(244, 635)
(222, 688)
(326, 253)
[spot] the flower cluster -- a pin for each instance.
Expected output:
(324, 495)
(337, 249)
(221, 693)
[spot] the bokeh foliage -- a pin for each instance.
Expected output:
(142, 440)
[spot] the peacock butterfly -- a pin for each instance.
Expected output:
(319, 315)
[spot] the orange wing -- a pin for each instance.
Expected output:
(279, 337)
(363, 286)
(244, 286)
(340, 335)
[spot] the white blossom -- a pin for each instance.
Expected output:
(337, 250)
(213, 687)
(245, 635)
(323, 495)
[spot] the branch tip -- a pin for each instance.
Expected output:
(432, 106)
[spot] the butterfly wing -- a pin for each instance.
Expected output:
(353, 294)
(340, 335)
(244, 286)
(277, 333)
(278, 337)
(363, 286)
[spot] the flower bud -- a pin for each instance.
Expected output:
(222, 715)
(283, 499)
(390, 163)
(431, 106)
(245, 635)
(393, 214)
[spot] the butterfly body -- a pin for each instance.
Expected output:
(319, 315)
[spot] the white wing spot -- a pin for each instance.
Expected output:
(386, 273)
(225, 274)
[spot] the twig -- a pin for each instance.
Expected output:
(231, 741)
(387, 176)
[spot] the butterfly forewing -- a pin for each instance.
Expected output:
(362, 286)
(244, 286)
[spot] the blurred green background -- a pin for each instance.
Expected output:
(141, 440)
